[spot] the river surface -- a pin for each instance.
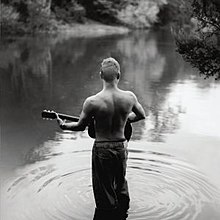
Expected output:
(174, 155)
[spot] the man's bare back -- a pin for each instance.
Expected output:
(111, 108)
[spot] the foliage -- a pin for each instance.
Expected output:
(204, 57)
(133, 13)
(68, 11)
(39, 15)
(199, 44)
(8, 14)
(9, 18)
(173, 12)
(140, 14)
(101, 10)
(20, 6)
(208, 14)
(31, 16)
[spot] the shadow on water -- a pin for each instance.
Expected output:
(52, 169)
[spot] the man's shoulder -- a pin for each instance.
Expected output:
(128, 94)
(90, 104)
(92, 100)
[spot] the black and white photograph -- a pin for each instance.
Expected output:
(110, 110)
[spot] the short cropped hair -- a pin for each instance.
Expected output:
(110, 69)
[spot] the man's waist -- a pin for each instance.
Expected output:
(110, 141)
(119, 143)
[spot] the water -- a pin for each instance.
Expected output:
(174, 155)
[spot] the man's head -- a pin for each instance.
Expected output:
(110, 69)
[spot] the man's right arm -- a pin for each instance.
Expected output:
(84, 119)
(137, 113)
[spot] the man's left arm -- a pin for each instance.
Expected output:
(84, 119)
(137, 113)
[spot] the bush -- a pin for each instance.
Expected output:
(133, 13)
(39, 15)
(205, 57)
(70, 12)
(141, 14)
(173, 12)
(199, 43)
(101, 10)
(9, 18)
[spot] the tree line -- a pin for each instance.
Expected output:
(195, 23)
(44, 15)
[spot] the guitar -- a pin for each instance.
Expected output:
(91, 127)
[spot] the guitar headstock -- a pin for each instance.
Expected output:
(47, 114)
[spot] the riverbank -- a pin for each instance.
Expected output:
(88, 29)
(91, 28)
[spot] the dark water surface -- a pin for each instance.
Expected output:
(174, 156)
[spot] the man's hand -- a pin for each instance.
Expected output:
(60, 122)
(84, 118)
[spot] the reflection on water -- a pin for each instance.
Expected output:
(174, 155)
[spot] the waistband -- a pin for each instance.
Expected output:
(111, 144)
(113, 141)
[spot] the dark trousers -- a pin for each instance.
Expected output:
(109, 162)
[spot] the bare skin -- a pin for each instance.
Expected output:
(111, 108)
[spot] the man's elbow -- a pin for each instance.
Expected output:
(79, 128)
(82, 128)
(142, 117)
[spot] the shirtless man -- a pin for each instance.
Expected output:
(110, 108)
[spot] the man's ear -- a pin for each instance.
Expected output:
(101, 74)
(118, 75)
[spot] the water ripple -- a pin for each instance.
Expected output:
(161, 187)
(166, 188)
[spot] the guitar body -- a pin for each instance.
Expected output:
(91, 127)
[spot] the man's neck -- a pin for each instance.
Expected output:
(110, 85)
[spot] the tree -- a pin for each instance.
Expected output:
(31, 15)
(131, 13)
(9, 18)
(39, 14)
(68, 11)
(199, 44)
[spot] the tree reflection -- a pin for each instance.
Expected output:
(148, 70)
(29, 63)
(58, 73)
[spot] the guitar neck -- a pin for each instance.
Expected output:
(46, 114)
(68, 117)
